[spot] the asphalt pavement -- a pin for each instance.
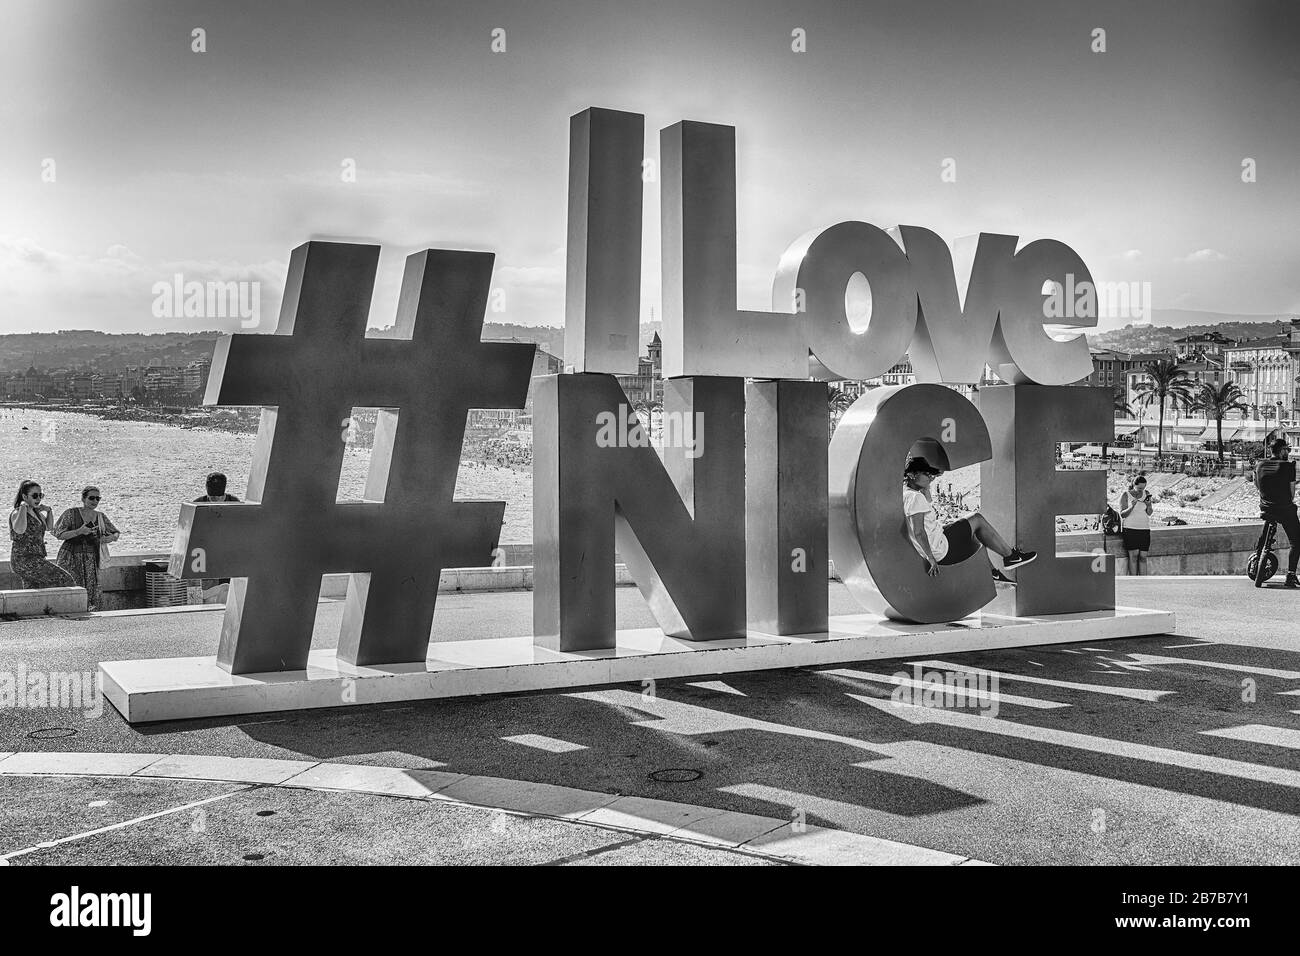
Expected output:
(1180, 748)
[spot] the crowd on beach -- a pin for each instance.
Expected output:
(500, 452)
(236, 421)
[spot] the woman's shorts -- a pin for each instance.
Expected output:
(1137, 539)
(961, 542)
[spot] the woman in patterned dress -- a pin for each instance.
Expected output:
(82, 531)
(28, 524)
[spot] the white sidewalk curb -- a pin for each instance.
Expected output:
(770, 837)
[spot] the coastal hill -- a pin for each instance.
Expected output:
(110, 352)
(102, 351)
(1161, 333)
(113, 352)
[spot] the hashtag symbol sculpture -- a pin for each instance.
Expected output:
(309, 377)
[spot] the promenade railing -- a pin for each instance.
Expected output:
(1200, 466)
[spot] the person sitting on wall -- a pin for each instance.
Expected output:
(953, 543)
(1275, 477)
(85, 532)
(29, 523)
(215, 485)
(216, 488)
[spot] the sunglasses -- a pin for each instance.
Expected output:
(36, 494)
(92, 497)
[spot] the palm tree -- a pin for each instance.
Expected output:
(837, 403)
(1165, 383)
(654, 409)
(642, 416)
(1120, 407)
(1218, 400)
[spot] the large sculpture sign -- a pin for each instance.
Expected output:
(732, 530)
(312, 374)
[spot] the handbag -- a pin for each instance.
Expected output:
(104, 525)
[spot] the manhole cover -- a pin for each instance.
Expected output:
(266, 813)
(253, 856)
(51, 733)
(676, 775)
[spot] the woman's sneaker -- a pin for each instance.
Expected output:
(1017, 558)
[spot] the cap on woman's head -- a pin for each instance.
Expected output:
(916, 465)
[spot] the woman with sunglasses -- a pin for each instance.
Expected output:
(84, 531)
(29, 522)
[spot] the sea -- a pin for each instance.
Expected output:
(146, 470)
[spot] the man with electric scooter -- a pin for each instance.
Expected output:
(1275, 477)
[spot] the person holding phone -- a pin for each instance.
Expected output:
(1135, 507)
(29, 522)
(84, 532)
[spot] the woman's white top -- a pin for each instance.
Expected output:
(916, 503)
(1137, 519)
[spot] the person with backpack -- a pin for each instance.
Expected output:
(1135, 508)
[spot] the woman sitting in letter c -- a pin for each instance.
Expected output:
(949, 544)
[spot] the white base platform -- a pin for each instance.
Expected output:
(191, 687)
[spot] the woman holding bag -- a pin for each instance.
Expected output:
(85, 533)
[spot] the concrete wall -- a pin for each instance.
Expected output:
(1184, 549)
(1210, 549)
(45, 601)
(121, 579)
(1217, 549)
(122, 582)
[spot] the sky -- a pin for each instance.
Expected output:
(127, 157)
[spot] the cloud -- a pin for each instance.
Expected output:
(43, 289)
(392, 181)
(121, 252)
(1133, 255)
(1205, 255)
(20, 252)
(544, 276)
